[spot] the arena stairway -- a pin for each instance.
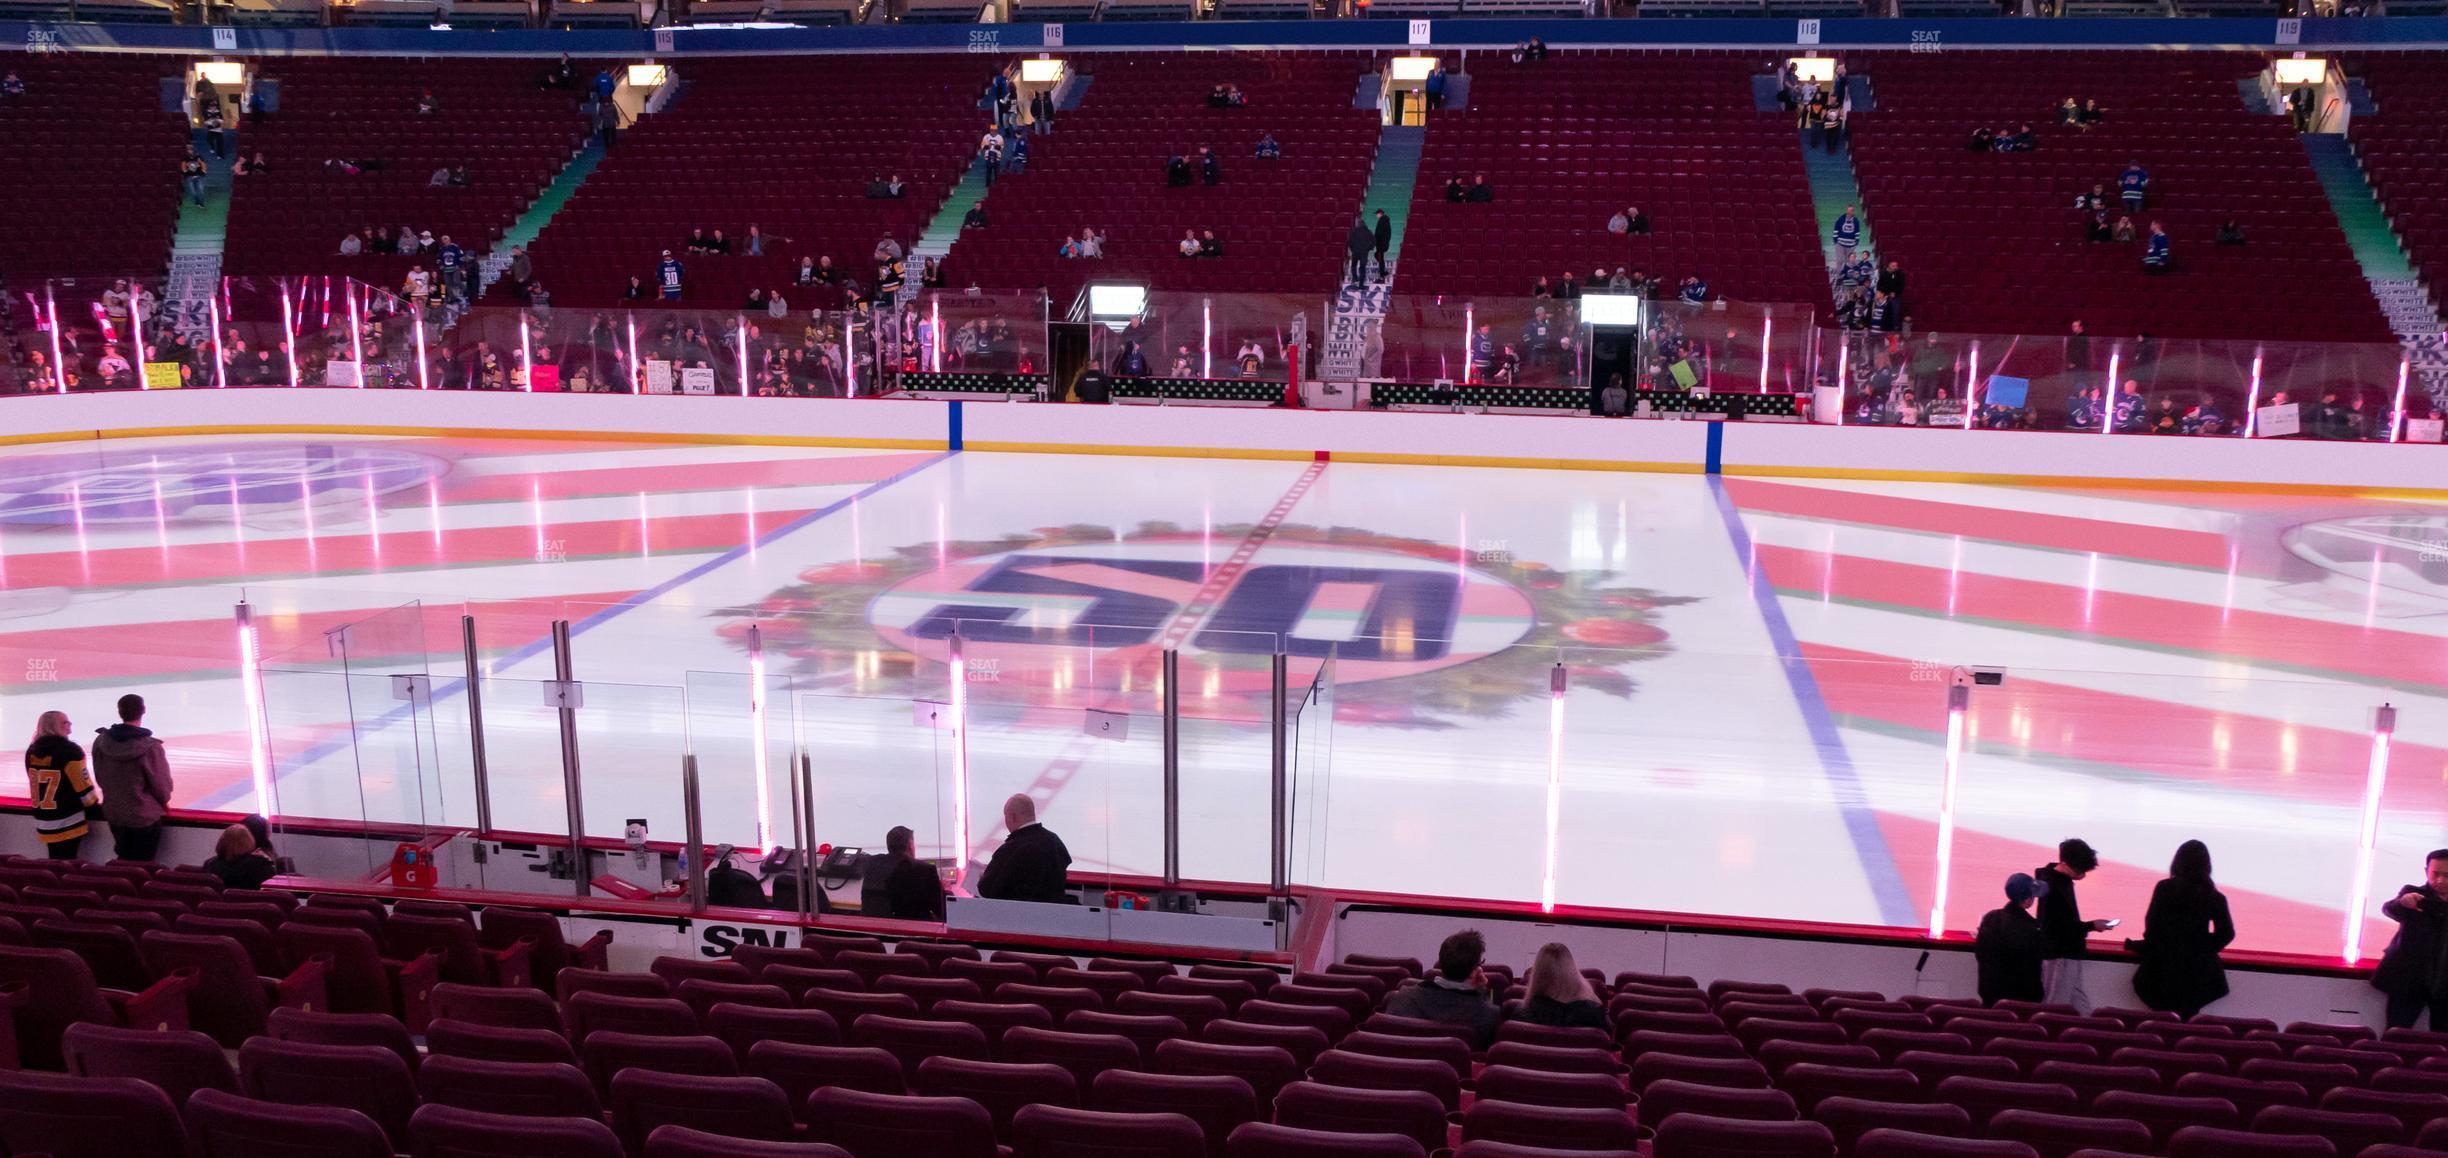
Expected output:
(1360, 307)
(2377, 249)
(195, 249)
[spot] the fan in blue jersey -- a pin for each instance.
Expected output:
(667, 277)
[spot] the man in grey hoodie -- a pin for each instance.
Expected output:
(134, 775)
(1455, 994)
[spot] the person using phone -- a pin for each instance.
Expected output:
(2414, 969)
(2062, 920)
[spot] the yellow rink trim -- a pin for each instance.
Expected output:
(1514, 462)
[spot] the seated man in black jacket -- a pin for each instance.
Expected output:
(1032, 865)
(900, 885)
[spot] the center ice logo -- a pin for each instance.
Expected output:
(196, 485)
(1084, 613)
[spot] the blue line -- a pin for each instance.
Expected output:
(1860, 820)
(1716, 447)
(454, 687)
(952, 438)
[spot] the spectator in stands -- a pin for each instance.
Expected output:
(1891, 279)
(2077, 347)
(2096, 229)
(1540, 288)
(756, 301)
(898, 884)
(351, 245)
(2230, 233)
(241, 167)
(1559, 994)
(2009, 947)
(1626, 282)
(1454, 189)
(1041, 111)
(1131, 362)
(1251, 358)
(63, 795)
(1455, 993)
(2082, 408)
(2182, 934)
(2155, 255)
(215, 128)
(1569, 287)
(1211, 168)
(635, 291)
(1480, 192)
(1177, 171)
(2165, 419)
(1001, 94)
(12, 84)
(1070, 245)
(1356, 247)
(2413, 969)
(113, 368)
(1533, 50)
(2131, 415)
(1694, 290)
(1886, 313)
(417, 287)
(2069, 114)
(1184, 364)
(1482, 353)
(1189, 246)
(1384, 235)
(2022, 140)
(889, 279)
(192, 172)
(1832, 125)
(2096, 200)
(697, 242)
(561, 75)
(133, 773)
(2061, 918)
(1208, 245)
(2204, 418)
(458, 176)
(427, 105)
(1032, 865)
(1983, 141)
(718, 244)
(975, 218)
(2090, 114)
(1635, 222)
(237, 862)
(2124, 233)
(887, 250)
(755, 241)
(1268, 149)
(1847, 230)
(667, 277)
(2132, 184)
(1092, 243)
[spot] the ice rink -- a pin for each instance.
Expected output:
(1753, 718)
